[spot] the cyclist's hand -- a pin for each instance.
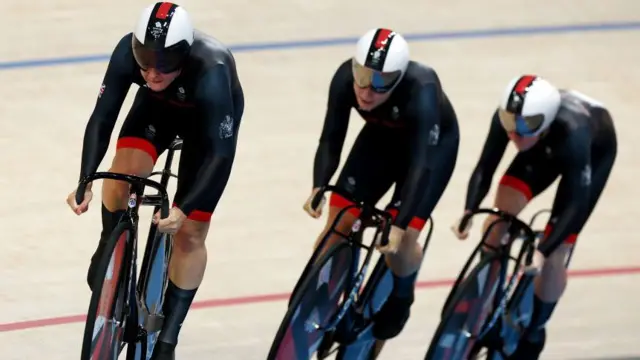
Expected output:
(536, 264)
(317, 212)
(396, 235)
(84, 206)
(172, 223)
(462, 235)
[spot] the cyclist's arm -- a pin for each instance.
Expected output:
(115, 85)
(573, 191)
(426, 133)
(492, 152)
(218, 136)
(336, 124)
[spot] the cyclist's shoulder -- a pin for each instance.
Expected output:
(210, 51)
(420, 74)
(343, 73)
(122, 53)
(341, 83)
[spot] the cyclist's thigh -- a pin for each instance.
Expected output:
(439, 176)
(442, 168)
(530, 173)
(370, 168)
(602, 162)
(193, 158)
(150, 126)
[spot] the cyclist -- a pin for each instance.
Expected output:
(410, 139)
(189, 87)
(558, 133)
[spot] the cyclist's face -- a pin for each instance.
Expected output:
(158, 81)
(523, 143)
(369, 99)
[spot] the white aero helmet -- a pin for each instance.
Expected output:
(381, 59)
(529, 105)
(162, 38)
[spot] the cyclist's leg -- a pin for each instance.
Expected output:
(404, 265)
(552, 283)
(528, 175)
(189, 253)
(367, 175)
(143, 137)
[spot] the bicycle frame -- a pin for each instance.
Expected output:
(152, 321)
(353, 241)
(356, 276)
(516, 229)
(501, 248)
(134, 333)
(369, 217)
(501, 299)
(379, 270)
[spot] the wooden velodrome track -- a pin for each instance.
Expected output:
(51, 66)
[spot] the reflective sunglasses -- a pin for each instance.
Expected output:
(524, 126)
(165, 61)
(380, 82)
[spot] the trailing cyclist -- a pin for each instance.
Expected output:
(410, 139)
(558, 133)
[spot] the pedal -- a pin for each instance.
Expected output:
(344, 334)
(142, 334)
(492, 340)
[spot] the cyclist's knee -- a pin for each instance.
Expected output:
(344, 223)
(132, 162)
(410, 241)
(411, 235)
(497, 230)
(191, 236)
(342, 226)
(556, 261)
(126, 161)
(510, 200)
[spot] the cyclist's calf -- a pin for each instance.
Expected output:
(552, 282)
(126, 161)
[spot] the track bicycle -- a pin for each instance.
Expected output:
(124, 310)
(331, 304)
(489, 308)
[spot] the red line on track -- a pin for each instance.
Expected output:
(256, 299)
